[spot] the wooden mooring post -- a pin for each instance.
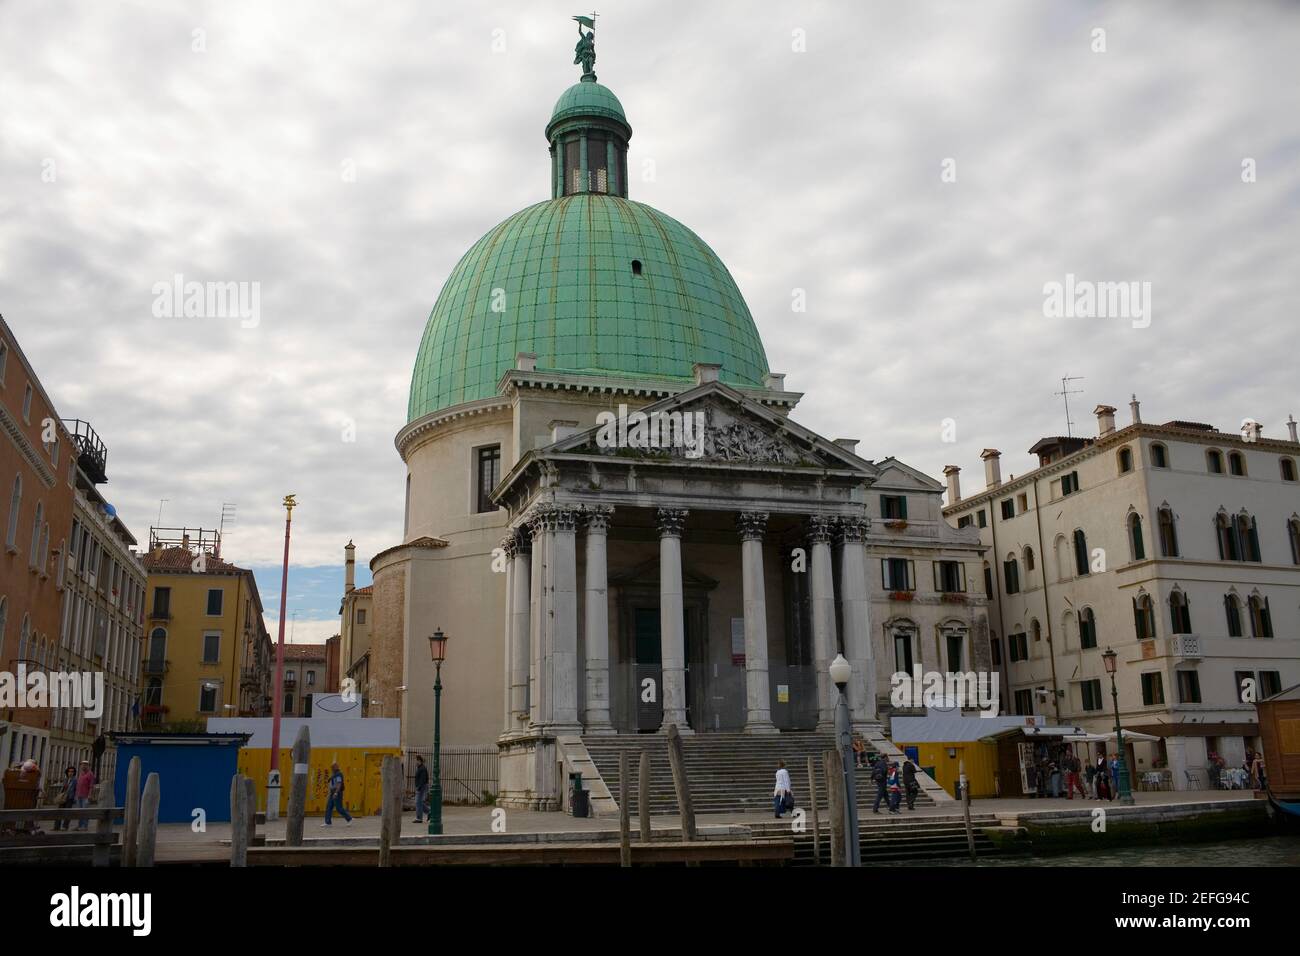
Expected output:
(148, 839)
(238, 822)
(643, 796)
(131, 825)
(297, 811)
(677, 759)
(624, 820)
(835, 799)
(812, 799)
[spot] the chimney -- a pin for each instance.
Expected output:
(848, 444)
(1290, 427)
(992, 467)
(185, 541)
(774, 381)
(1251, 430)
(953, 474)
(526, 361)
(1135, 407)
(1105, 420)
(349, 567)
(705, 372)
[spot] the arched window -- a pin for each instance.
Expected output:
(1293, 535)
(1087, 628)
(44, 554)
(1159, 456)
(1237, 464)
(23, 636)
(1180, 615)
(1261, 619)
(1135, 536)
(1288, 469)
(4, 618)
(1011, 572)
(988, 580)
(35, 552)
(15, 505)
(1144, 618)
(1125, 460)
(1214, 462)
(1036, 635)
(1029, 559)
(1232, 608)
(1080, 552)
(1168, 533)
(1247, 537)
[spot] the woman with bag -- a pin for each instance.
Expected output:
(782, 796)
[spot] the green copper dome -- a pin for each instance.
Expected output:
(587, 98)
(590, 283)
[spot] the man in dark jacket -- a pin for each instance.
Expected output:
(910, 786)
(421, 788)
(879, 775)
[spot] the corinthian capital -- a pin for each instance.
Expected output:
(597, 518)
(672, 522)
(752, 525)
(852, 529)
(820, 528)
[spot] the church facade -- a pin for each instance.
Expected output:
(613, 515)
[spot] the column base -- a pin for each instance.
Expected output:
(760, 727)
(603, 729)
(682, 729)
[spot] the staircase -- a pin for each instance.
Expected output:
(728, 773)
(895, 840)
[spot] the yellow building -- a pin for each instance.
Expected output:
(207, 651)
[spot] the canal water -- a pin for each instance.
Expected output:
(1248, 851)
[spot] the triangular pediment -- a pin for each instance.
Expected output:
(711, 423)
(895, 474)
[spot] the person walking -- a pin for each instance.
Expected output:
(335, 799)
(421, 787)
(69, 798)
(910, 786)
(1114, 774)
(894, 786)
(879, 776)
(85, 784)
(1091, 772)
(1072, 780)
(782, 795)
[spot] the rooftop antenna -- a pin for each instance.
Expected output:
(1065, 393)
(227, 514)
(161, 502)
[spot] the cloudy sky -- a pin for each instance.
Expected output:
(920, 171)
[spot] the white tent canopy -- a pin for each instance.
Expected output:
(1098, 738)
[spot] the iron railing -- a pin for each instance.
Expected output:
(469, 774)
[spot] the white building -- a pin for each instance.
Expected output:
(1178, 546)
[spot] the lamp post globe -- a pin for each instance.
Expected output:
(438, 654)
(840, 672)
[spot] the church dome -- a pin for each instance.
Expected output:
(589, 281)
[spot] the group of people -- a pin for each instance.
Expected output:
(338, 782)
(893, 783)
(1061, 773)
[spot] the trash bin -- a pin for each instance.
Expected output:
(579, 799)
(20, 789)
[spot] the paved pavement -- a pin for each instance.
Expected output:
(175, 838)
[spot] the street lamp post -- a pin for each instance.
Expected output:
(841, 671)
(438, 651)
(273, 777)
(1111, 659)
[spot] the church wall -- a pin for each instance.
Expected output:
(442, 473)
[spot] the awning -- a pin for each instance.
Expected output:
(1099, 738)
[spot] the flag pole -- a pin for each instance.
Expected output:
(277, 702)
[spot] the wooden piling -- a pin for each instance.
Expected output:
(677, 759)
(386, 812)
(238, 822)
(834, 771)
(643, 796)
(812, 800)
(624, 821)
(297, 810)
(131, 825)
(102, 854)
(148, 838)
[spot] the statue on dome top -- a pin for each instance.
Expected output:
(585, 51)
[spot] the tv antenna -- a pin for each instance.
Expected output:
(161, 502)
(1065, 394)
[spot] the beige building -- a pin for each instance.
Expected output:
(101, 626)
(1178, 546)
(356, 612)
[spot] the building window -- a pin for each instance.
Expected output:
(215, 596)
(1261, 619)
(288, 704)
(1159, 456)
(15, 506)
(995, 650)
(1168, 534)
(1180, 614)
(27, 403)
(1232, 608)
(1144, 618)
(1214, 462)
(311, 678)
(1008, 508)
(1022, 502)
(949, 577)
(1069, 483)
(208, 698)
(893, 507)
(1189, 687)
(1087, 629)
(1011, 572)
(1153, 689)
(211, 647)
(965, 521)
(1029, 559)
(898, 574)
(34, 557)
(1288, 469)
(988, 581)
(489, 473)
(162, 601)
(1135, 536)
(361, 615)
(1237, 464)
(1090, 694)
(1019, 646)
(1270, 683)
(1080, 552)
(902, 652)
(1125, 460)
(4, 360)
(956, 642)
(636, 267)
(1024, 702)
(980, 519)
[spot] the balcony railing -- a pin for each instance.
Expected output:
(154, 668)
(1185, 647)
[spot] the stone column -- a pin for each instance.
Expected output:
(507, 548)
(563, 620)
(758, 702)
(672, 620)
(537, 696)
(520, 583)
(855, 597)
(821, 588)
(597, 622)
